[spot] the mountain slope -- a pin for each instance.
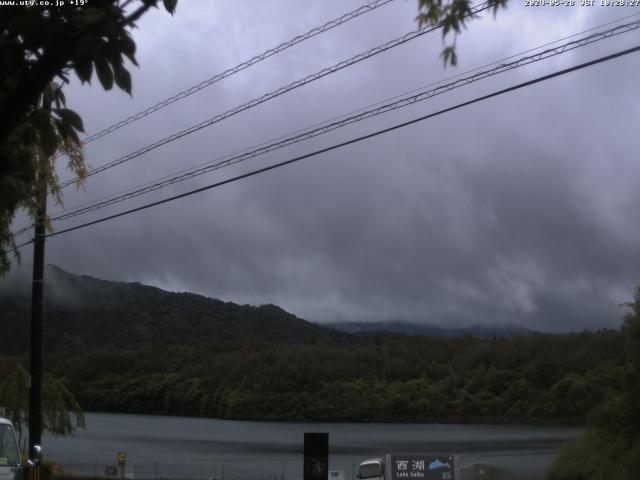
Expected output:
(406, 328)
(84, 314)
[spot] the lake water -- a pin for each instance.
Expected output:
(176, 447)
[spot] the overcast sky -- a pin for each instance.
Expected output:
(522, 209)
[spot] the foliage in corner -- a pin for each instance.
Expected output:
(40, 47)
(30, 155)
(61, 415)
(453, 16)
(610, 447)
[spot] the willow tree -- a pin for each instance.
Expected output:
(61, 415)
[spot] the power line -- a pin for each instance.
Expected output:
(355, 140)
(275, 93)
(344, 115)
(134, 190)
(238, 68)
(362, 115)
(22, 231)
(247, 153)
(18, 247)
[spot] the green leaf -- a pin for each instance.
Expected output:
(446, 26)
(83, 53)
(48, 94)
(170, 5)
(62, 127)
(67, 132)
(105, 75)
(70, 117)
(123, 78)
(84, 69)
(449, 56)
(60, 97)
(57, 96)
(454, 58)
(128, 47)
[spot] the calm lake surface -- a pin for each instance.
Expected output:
(176, 447)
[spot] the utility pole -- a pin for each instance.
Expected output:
(35, 350)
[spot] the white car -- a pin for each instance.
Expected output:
(10, 468)
(372, 469)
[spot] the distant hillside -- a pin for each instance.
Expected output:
(406, 328)
(84, 314)
(130, 348)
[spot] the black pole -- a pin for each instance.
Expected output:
(37, 287)
(35, 351)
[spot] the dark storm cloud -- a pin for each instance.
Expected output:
(518, 210)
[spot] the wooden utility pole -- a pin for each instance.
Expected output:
(37, 287)
(35, 351)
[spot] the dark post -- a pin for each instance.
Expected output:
(35, 384)
(35, 350)
(316, 456)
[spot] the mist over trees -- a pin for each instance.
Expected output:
(132, 348)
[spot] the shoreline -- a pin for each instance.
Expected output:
(400, 421)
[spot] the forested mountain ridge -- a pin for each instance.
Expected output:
(130, 348)
(85, 314)
(407, 328)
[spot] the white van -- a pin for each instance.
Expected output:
(372, 469)
(10, 468)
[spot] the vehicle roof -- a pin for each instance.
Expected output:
(372, 460)
(5, 421)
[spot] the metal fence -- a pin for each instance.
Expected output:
(251, 470)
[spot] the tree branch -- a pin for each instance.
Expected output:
(18, 103)
(131, 19)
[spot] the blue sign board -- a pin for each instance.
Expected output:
(422, 467)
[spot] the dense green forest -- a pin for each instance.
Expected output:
(132, 348)
(380, 377)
